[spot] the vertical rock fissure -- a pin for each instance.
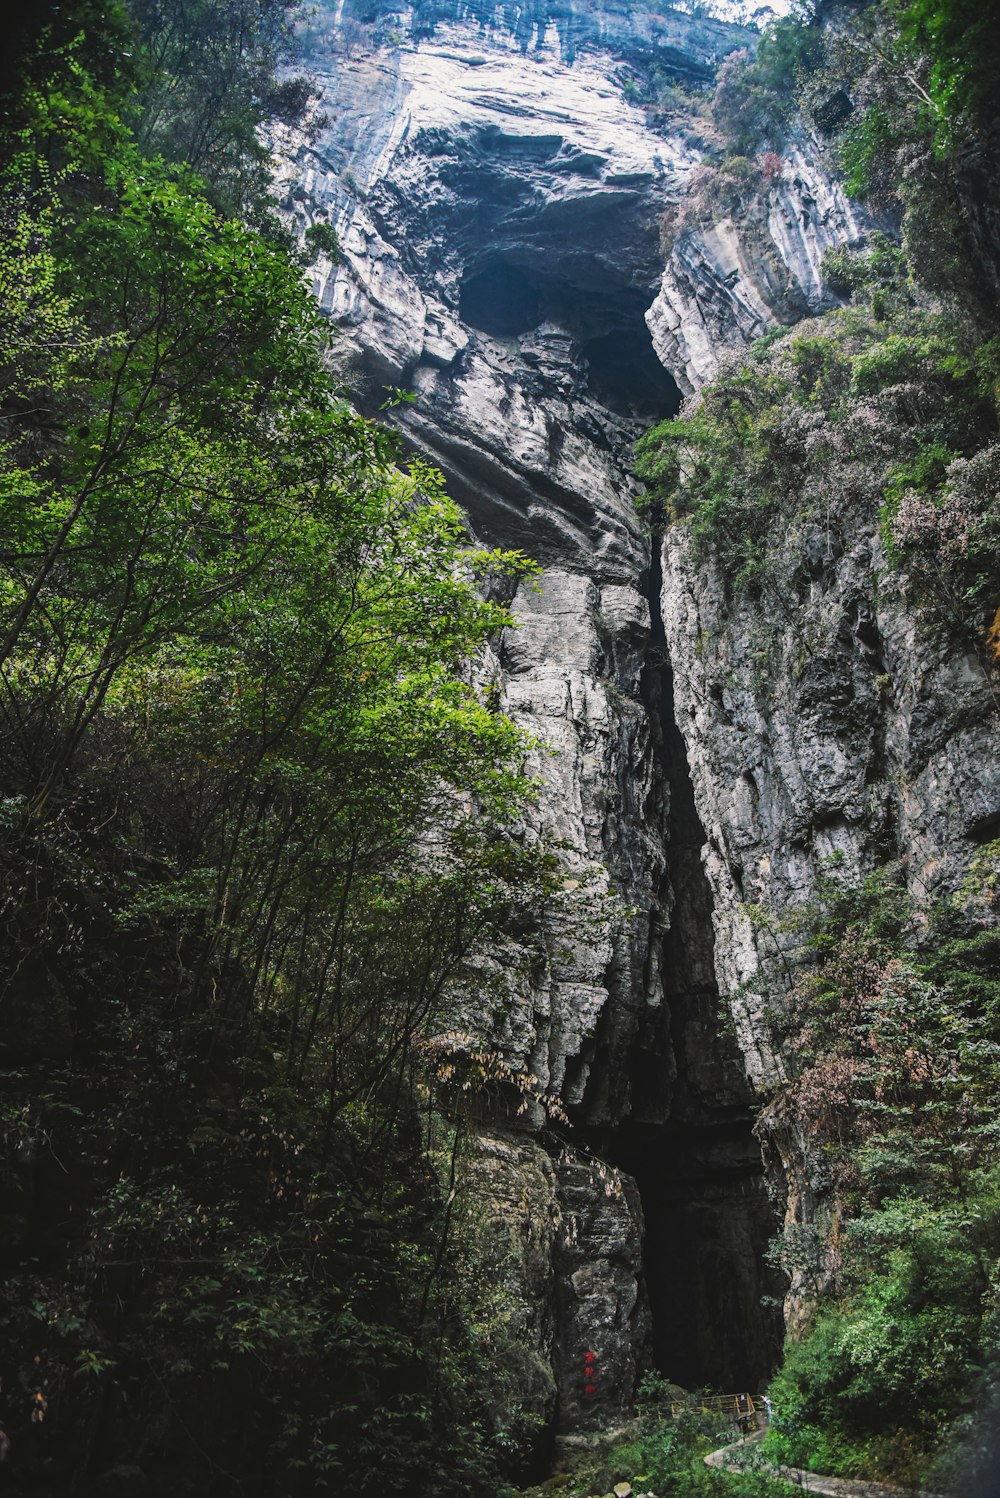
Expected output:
(689, 1142)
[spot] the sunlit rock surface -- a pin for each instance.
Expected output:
(497, 211)
(497, 196)
(732, 281)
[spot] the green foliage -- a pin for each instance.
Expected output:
(894, 1066)
(722, 466)
(665, 1452)
(209, 80)
(961, 40)
(880, 271)
(756, 98)
(867, 152)
(925, 471)
(874, 1384)
(322, 239)
(668, 1453)
(790, 51)
(924, 474)
(922, 77)
(97, 31)
(884, 409)
(896, 358)
(257, 815)
(895, 1051)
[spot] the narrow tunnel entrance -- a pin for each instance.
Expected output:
(614, 355)
(708, 1221)
(713, 1299)
(625, 375)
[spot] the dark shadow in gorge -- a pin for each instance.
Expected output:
(708, 1222)
(701, 1173)
(689, 1141)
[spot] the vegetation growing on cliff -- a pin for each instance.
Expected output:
(889, 406)
(255, 814)
(891, 402)
(884, 415)
(892, 1035)
(664, 1452)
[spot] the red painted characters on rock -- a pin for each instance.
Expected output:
(589, 1373)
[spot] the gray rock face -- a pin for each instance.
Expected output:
(832, 728)
(497, 211)
(497, 198)
(841, 729)
(512, 1217)
(572, 674)
(729, 282)
(497, 214)
(496, 195)
(604, 1326)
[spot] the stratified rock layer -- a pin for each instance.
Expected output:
(728, 282)
(497, 197)
(834, 726)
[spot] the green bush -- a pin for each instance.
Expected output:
(875, 1383)
(896, 1055)
(323, 239)
(234, 645)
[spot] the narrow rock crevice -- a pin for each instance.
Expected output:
(689, 1142)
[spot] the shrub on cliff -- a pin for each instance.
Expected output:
(892, 1041)
(875, 1384)
(886, 409)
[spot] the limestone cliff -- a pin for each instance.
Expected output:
(732, 279)
(835, 724)
(497, 196)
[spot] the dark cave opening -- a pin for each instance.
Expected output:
(701, 1174)
(501, 300)
(708, 1222)
(615, 351)
(689, 1142)
(627, 377)
(709, 1217)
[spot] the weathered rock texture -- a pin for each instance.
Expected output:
(497, 197)
(728, 282)
(833, 726)
(569, 1345)
(836, 726)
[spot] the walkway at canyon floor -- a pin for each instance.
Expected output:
(734, 1458)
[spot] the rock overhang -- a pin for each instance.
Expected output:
(498, 215)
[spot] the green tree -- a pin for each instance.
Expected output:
(258, 816)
